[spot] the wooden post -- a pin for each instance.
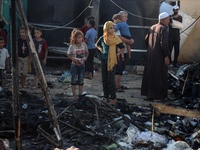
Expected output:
(39, 73)
(160, 108)
(15, 79)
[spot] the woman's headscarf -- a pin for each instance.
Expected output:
(111, 40)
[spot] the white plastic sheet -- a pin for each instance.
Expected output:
(134, 135)
(179, 145)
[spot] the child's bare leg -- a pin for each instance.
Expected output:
(113, 102)
(129, 50)
(125, 40)
(36, 83)
(122, 56)
(117, 81)
(23, 79)
(74, 91)
(80, 89)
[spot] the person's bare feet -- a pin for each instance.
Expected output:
(156, 100)
(24, 86)
(113, 102)
(34, 88)
(106, 99)
(74, 98)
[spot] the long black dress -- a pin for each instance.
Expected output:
(154, 83)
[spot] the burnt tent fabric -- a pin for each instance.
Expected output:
(154, 83)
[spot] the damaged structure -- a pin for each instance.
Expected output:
(92, 123)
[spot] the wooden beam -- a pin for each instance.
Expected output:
(175, 111)
(39, 73)
(15, 78)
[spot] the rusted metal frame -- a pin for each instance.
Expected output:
(126, 119)
(85, 132)
(184, 85)
(121, 129)
(49, 137)
(67, 132)
(101, 108)
(97, 115)
(115, 121)
(60, 115)
(105, 112)
(96, 111)
(39, 72)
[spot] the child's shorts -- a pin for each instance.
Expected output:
(79, 71)
(127, 37)
(23, 65)
(2, 73)
(120, 67)
(33, 72)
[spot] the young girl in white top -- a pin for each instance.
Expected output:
(78, 53)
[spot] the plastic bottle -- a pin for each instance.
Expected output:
(111, 147)
(61, 78)
(194, 135)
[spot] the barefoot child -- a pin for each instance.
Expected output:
(78, 53)
(23, 57)
(4, 57)
(42, 50)
(90, 40)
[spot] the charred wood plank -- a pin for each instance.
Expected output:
(49, 137)
(68, 132)
(85, 132)
(115, 121)
(96, 111)
(175, 111)
(60, 115)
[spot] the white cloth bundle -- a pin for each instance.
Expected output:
(177, 24)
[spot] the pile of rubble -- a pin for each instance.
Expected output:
(91, 123)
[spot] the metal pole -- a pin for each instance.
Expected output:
(15, 78)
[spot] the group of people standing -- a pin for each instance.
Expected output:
(24, 58)
(114, 46)
(112, 54)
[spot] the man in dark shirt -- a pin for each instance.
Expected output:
(174, 36)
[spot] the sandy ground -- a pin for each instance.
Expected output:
(92, 87)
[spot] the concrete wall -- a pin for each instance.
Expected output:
(190, 51)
